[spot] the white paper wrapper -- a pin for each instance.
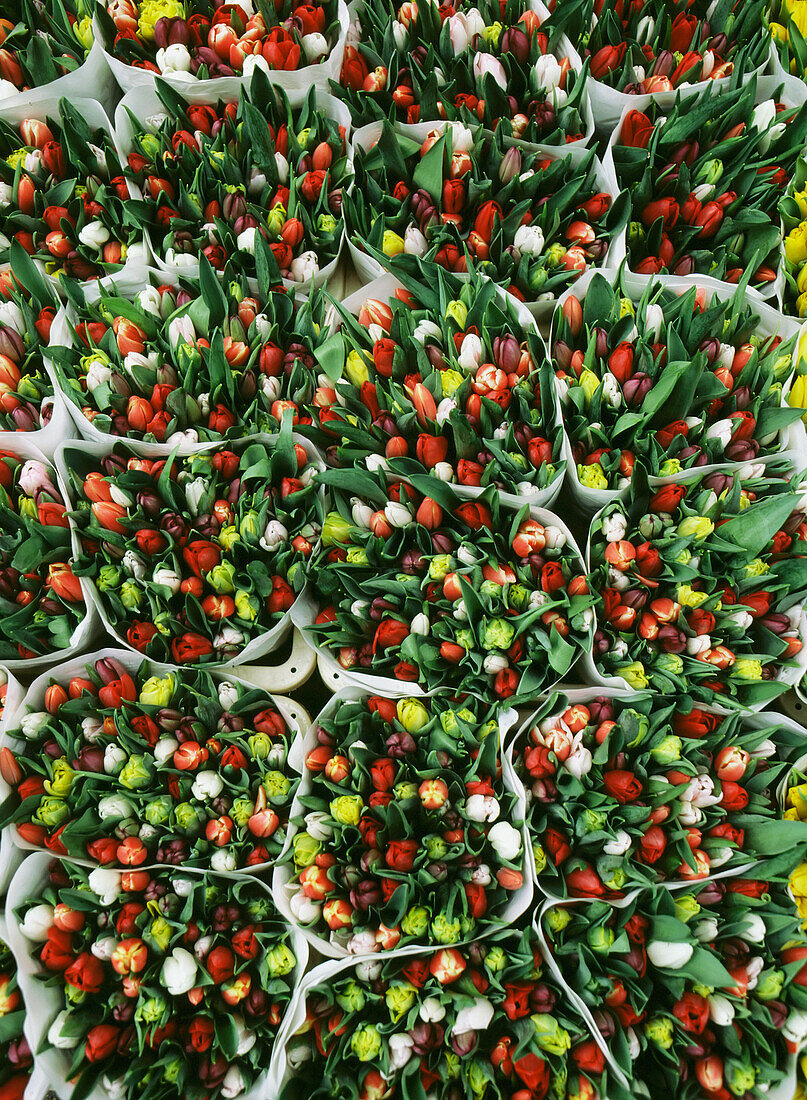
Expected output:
(290, 676)
(129, 78)
(144, 103)
(542, 307)
(335, 677)
(81, 636)
(383, 288)
(44, 1003)
(793, 440)
(13, 847)
(283, 888)
(93, 81)
(300, 611)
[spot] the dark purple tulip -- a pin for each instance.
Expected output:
(426, 1037)
(412, 562)
(506, 352)
(562, 354)
(183, 241)
(11, 344)
(601, 643)
(400, 744)
(90, 759)
(112, 465)
(19, 1053)
(634, 598)
(211, 1074)
(516, 42)
(464, 1043)
(57, 875)
(365, 894)
(442, 543)
(717, 482)
(369, 859)
(718, 43)
(109, 669)
(663, 65)
(711, 347)
(256, 1004)
(542, 999)
(149, 502)
(544, 115)
(637, 388)
(113, 551)
(742, 450)
(695, 1050)
(769, 672)
(601, 709)
(712, 893)
(776, 623)
(51, 749)
(671, 639)
(379, 607)
(685, 266)
(438, 870)
(605, 1024)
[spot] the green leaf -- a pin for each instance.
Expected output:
(755, 527)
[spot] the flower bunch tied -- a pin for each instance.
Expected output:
(793, 212)
(706, 181)
(253, 182)
(700, 992)
(490, 63)
(642, 49)
(62, 196)
(417, 584)
(441, 379)
(668, 380)
(407, 832)
(787, 23)
(191, 40)
(488, 1019)
(128, 768)
(623, 794)
(41, 598)
(194, 558)
(16, 1060)
(460, 199)
(166, 983)
(700, 585)
(40, 43)
(199, 360)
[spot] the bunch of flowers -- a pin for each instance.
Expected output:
(706, 180)
(417, 584)
(443, 380)
(16, 1060)
(26, 315)
(40, 42)
(406, 830)
(41, 599)
(668, 380)
(787, 23)
(624, 793)
(198, 360)
(489, 62)
(252, 181)
(488, 1019)
(202, 39)
(195, 557)
(793, 211)
(523, 218)
(62, 195)
(127, 768)
(660, 46)
(696, 993)
(167, 984)
(699, 585)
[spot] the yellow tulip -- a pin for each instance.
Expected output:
(796, 243)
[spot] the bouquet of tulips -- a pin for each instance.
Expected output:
(793, 211)
(165, 984)
(41, 599)
(416, 584)
(660, 46)
(40, 42)
(485, 1019)
(16, 1060)
(254, 181)
(199, 360)
(669, 380)
(202, 39)
(787, 23)
(404, 826)
(441, 378)
(194, 558)
(524, 218)
(697, 993)
(700, 586)
(706, 180)
(625, 792)
(62, 193)
(488, 63)
(26, 315)
(125, 767)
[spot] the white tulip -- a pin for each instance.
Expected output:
(37, 922)
(274, 535)
(505, 840)
(104, 948)
(482, 807)
(245, 242)
(475, 1017)
(207, 785)
(397, 514)
(420, 625)
(494, 662)
(304, 909)
(579, 762)
(115, 805)
(178, 974)
(228, 695)
(529, 240)
(114, 759)
(671, 956)
(618, 845)
(547, 72)
(427, 331)
(415, 244)
(233, 1083)
(315, 46)
(721, 1010)
(11, 316)
(363, 943)
(165, 749)
(223, 860)
(282, 168)
(94, 235)
(368, 970)
(32, 723)
(134, 565)
(105, 884)
(470, 352)
(304, 267)
(400, 1049)
(615, 526)
(169, 578)
(432, 1010)
(58, 1035)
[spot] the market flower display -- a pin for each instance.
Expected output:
(700, 585)
(166, 983)
(130, 768)
(488, 62)
(453, 1023)
(441, 379)
(668, 380)
(647, 48)
(405, 830)
(16, 1059)
(200, 39)
(417, 584)
(190, 362)
(706, 180)
(41, 598)
(61, 195)
(528, 219)
(625, 793)
(193, 558)
(252, 181)
(63, 35)
(699, 993)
